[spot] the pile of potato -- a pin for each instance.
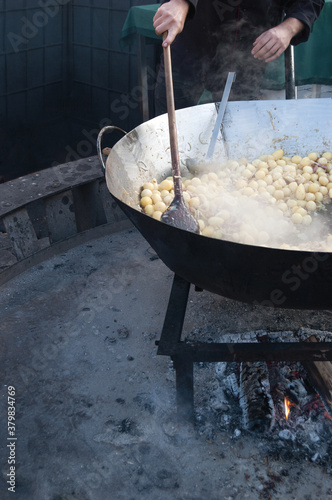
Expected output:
(271, 200)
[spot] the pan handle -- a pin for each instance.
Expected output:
(109, 128)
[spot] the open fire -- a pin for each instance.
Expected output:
(281, 404)
(287, 403)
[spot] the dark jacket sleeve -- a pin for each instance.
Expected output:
(192, 8)
(305, 11)
(193, 4)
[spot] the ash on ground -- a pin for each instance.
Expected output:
(96, 407)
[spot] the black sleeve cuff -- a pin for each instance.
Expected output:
(307, 14)
(192, 7)
(304, 34)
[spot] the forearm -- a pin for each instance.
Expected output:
(293, 26)
(273, 42)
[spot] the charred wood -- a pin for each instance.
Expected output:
(255, 398)
(320, 376)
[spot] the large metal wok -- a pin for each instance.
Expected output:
(258, 275)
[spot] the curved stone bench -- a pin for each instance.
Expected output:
(50, 211)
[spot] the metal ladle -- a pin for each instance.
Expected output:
(197, 167)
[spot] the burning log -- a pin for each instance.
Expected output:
(320, 375)
(255, 398)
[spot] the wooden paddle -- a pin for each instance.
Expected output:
(177, 214)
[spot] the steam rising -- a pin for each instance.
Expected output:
(235, 208)
(273, 200)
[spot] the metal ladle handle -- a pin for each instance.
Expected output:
(109, 128)
(221, 112)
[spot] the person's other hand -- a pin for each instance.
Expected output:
(272, 43)
(170, 17)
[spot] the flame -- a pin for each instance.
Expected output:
(288, 403)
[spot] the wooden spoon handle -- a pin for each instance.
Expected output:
(171, 119)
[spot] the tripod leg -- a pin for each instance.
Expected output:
(184, 368)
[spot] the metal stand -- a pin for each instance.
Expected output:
(143, 77)
(185, 354)
(290, 86)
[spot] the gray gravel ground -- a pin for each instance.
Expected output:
(95, 406)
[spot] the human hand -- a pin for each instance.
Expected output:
(170, 17)
(272, 43)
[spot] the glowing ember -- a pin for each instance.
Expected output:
(288, 403)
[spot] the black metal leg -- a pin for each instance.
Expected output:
(185, 354)
(170, 339)
(184, 368)
(176, 310)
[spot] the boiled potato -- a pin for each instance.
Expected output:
(245, 200)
